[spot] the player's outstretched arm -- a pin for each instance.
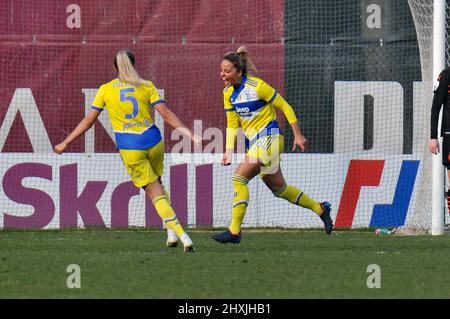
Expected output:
(280, 103)
(81, 128)
(176, 123)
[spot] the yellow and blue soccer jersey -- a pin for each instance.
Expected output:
(129, 111)
(252, 106)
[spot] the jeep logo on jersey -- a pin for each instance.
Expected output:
(242, 109)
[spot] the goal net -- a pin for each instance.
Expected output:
(422, 12)
(357, 74)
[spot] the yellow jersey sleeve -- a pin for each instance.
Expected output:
(266, 92)
(232, 120)
(271, 96)
(155, 98)
(99, 100)
(232, 128)
(280, 103)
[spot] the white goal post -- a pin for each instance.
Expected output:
(437, 222)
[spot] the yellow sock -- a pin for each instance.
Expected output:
(240, 202)
(168, 200)
(295, 196)
(167, 214)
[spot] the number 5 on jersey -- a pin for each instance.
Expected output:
(131, 99)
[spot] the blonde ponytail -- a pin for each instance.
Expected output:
(127, 72)
(243, 52)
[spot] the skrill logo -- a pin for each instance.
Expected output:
(75, 202)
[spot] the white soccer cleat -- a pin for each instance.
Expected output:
(187, 243)
(172, 238)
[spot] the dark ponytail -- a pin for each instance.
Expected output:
(241, 60)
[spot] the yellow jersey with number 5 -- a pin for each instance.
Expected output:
(129, 111)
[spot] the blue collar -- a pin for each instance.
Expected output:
(235, 93)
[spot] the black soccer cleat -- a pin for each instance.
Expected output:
(172, 244)
(189, 249)
(325, 217)
(227, 237)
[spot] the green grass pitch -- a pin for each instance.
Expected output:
(267, 264)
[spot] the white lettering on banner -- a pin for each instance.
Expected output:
(73, 21)
(215, 135)
(182, 150)
(23, 102)
(349, 116)
(348, 119)
(374, 19)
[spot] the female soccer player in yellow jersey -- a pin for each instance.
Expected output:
(128, 99)
(251, 102)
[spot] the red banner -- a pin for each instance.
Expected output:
(58, 48)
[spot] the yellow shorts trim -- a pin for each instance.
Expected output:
(268, 151)
(144, 166)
